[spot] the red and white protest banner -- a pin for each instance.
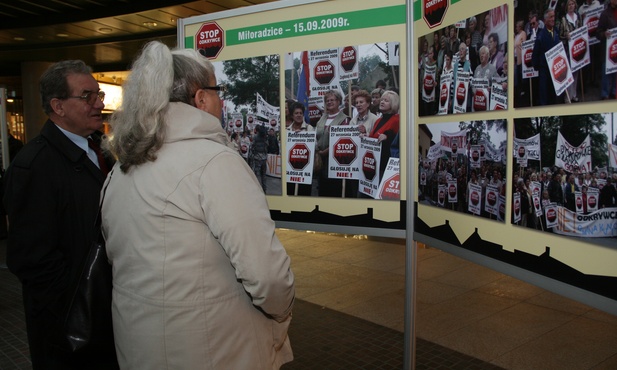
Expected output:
(516, 207)
(251, 122)
(593, 197)
(491, 201)
(481, 98)
(300, 157)
(454, 142)
(611, 51)
(559, 67)
(475, 158)
(452, 191)
(527, 54)
(441, 195)
(532, 146)
(592, 18)
(598, 224)
(578, 201)
(324, 74)
(575, 159)
(370, 154)
(551, 215)
(444, 93)
(499, 97)
(474, 200)
(579, 48)
(390, 185)
(349, 65)
(236, 123)
(499, 22)
(428, 83)
(344, 152)
(461, 92)
(501, 215)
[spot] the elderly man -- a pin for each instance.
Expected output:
(52, 199)
(496, 56)
(608, 20)
(547, 38)
(485, 69)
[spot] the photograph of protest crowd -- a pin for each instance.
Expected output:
(463, 167)
(251, 114)
(342, 122)
(565, 175)
(464, 66)
(565, 51)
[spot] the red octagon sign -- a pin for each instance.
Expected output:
(434, 11)
(348, 58)
(209, 40)
(369, 166)
(392, 188)
(345, 151)
(324, 72)
(299, 156)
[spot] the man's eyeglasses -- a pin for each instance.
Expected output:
(90, 96)
(221, 89)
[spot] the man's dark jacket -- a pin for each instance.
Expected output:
(52, 192)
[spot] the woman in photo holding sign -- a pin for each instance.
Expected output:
(200, 280)
(332, 116)
(386, 127)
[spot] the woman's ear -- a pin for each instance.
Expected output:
(200, 100)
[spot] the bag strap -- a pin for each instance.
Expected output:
(98, 221)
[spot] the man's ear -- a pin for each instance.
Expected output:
(57, 106)
(201, 100)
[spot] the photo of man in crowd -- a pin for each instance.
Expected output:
(565, 175)
(459, 65)
(566, 53)
(463, 167)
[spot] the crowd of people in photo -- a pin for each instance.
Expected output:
(555, 186)
(452, 50)
(457, 168)
(551, 26)
(375, 113)
(255, 146)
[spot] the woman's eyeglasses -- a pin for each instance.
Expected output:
(220, 89)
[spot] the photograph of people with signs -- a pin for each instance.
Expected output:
(251, 114)
(343, 122)
(565, 175)
(463, 167)
(565, 51)
(464, 66)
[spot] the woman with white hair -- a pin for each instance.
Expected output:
(386, 127)
(200, 280)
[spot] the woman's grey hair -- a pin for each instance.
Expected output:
(158, 76)
(54, 84)
(377, 91)
(395, 101)
(336, 94)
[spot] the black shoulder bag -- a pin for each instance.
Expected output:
(87, 320)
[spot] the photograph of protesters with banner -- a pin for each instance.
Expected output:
(468, 83)
(568, 167)
(340, 156)
(251, 100)
(463, 167)
(567, 58)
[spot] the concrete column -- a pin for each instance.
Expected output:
(34, 116)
